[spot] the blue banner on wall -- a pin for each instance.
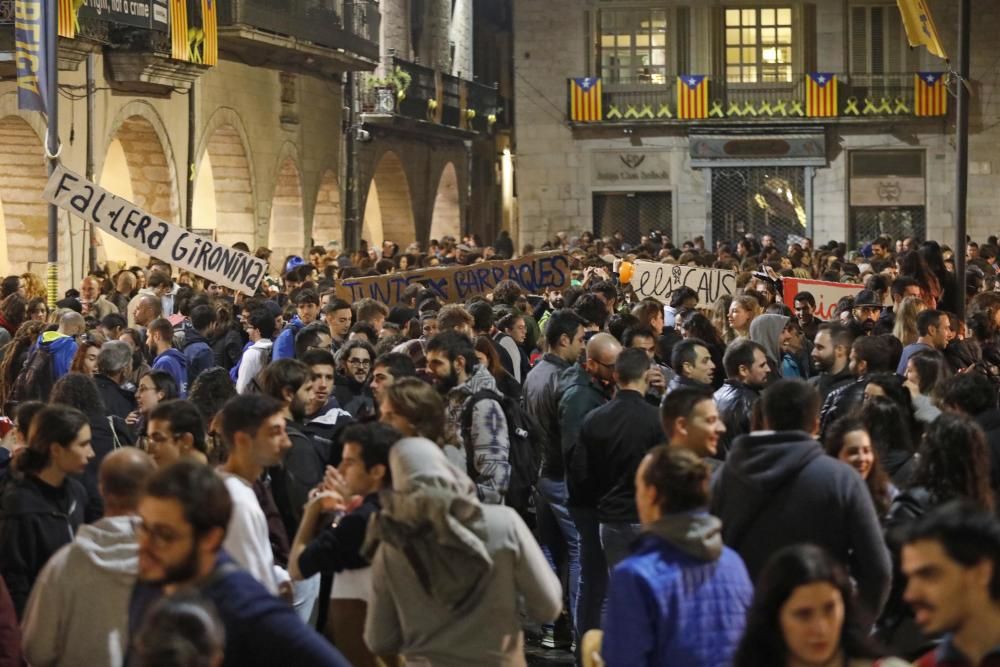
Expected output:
(29, 35)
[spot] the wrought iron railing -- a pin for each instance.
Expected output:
(859, 96)
(418, 92)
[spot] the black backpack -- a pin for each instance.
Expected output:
(527, 442)
(35, 381)
(255, 386)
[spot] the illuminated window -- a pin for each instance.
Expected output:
(759, 45)
(632, 45)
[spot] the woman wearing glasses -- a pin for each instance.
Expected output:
(45, 506)
(154, 388)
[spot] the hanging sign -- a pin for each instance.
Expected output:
(174, 245)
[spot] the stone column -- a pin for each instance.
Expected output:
(461, 35)
(396, 28)
(434, 47)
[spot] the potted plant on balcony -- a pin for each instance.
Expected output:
(390, 89)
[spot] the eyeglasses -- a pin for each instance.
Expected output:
(364, 363)
(159, 536)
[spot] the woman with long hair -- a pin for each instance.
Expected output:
(13, 313)
(38, 310)
(85, 359)
(804, 612)
(905, 328)
(153, 388)
(848, 440)
(512, 330)
(488, 356)
(15, 355)
(933, 257)
(889, 427)
(34, 288)
(925, 372)
(954, 464)
(46, 504)
(720, 318)
(912, 264)
(741, 313)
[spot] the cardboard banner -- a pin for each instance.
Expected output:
(659, 281)
(152, 236)
(827, 294)
(457, 283)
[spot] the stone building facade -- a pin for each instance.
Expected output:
(863, 172)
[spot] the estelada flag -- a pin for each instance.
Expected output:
(930, 96)
(585, 100)
(692, 96)
(821, 94)
(920, 28)
(179, 30)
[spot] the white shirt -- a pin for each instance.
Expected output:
(247, 539)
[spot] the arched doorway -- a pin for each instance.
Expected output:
(447, 217)
(136, 168)
(23, 212)
(223, 191)
(327, 225)
(388, 212)
(286, 234)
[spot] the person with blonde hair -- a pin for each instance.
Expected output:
(905, 328)
(741, 313)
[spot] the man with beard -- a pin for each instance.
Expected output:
(351, 384)
(869, 355)
(255, 442)
(325, 419)
(866, 311)
(182, 524)
(451, 361)
(746, 374)
(805, 311)
(950, 559)
(290, 382)
(830, 356)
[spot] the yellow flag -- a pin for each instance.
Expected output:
(920, 28)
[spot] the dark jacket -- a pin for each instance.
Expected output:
(579, 394)
(10, 631)
(613, 440)
(541, 400)
(118, 400)
(990, 423)
(679, 382)
(353, 396)
(228, 348)
(735, 401)
(260, 629)
(36, 520)
(300, 471)
(338, 547)
(106, 435)
(827, 383)
(198, 353)
(780, 488)
(841, 402)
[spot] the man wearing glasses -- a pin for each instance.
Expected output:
(351, 387)
(183, 520)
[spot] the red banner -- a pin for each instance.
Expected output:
(826, 294)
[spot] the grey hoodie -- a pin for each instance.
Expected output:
(766, 330)
(698, 535)
(78, 610)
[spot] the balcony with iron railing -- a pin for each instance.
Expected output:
(858, 98)
(340, 35)
(406, 90)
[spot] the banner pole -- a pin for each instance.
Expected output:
(52, 147)
(962, 155)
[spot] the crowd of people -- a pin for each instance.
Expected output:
(191, 476)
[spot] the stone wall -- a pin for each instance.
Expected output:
(554, 165)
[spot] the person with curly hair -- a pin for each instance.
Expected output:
(14, 356)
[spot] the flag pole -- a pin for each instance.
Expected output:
(962, 155)
(52, 148)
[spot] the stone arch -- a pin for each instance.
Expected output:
(223, 191)
(23, 212)
(388, 208)
(138, 165)
(446, 219)
(286, 230)
(327, 218)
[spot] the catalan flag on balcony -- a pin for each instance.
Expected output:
(930, 94)
(821, 95)
(179, 30)
(692, 96)
(66, 26)
(585, 100)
